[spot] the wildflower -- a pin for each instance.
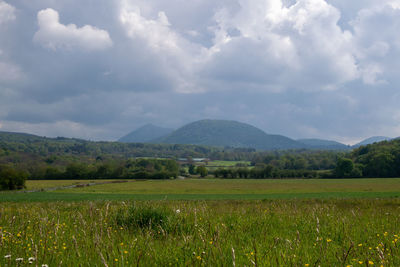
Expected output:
(360, 262)
(115, 260)
(198, 257)
(19, 259)
(360, 245)
(306, 265)
(7, 256)
(178, 211)
(370, 262)
(31, 259)
(211, 242)
(45, 265)
(329, 240)
(125, 252)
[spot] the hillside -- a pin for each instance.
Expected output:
(323, 144)
(224, 133)
(145, 134)
(371, 140)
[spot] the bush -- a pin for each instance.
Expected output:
(142, 217)
(11, 179)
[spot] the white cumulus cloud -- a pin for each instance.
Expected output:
(298, 46)
(7, 12)
(54, 35)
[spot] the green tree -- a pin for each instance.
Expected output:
(11, 179)
(202, 170)
(344, 167)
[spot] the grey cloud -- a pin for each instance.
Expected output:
(331, 73)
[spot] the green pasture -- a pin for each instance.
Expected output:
(47, 184)
(209, 189)
(224, 163)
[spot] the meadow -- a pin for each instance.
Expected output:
(204, 222)
(360, 232)
(207, 189)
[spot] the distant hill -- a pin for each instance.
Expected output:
(19, 137)
(145, 134)
(224, 133)
(323, 144)
(371, 140)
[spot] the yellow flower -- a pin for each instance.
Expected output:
(211, 242)
(125, 252)
(360, 245)
(115, 259)
(306, 265)
(360, 262)
(370, 262)
(198, 257)
(329, 240)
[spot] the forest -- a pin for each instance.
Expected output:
(25, 156)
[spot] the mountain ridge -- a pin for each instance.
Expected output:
(145, 133)
(371, 140)
(227, 133)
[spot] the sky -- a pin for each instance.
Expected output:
(98, 69)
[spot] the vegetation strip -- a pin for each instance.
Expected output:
(55, 196)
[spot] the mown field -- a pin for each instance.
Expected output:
(203, 222)
(209, 189)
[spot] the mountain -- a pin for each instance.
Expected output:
(145, 134)
(371, 140)
(323, 144)
(224, 133)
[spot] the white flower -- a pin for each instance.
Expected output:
(45, 265)
(19, 259)
(31, 259)
(178, 211)
(7, 256)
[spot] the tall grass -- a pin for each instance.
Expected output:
(213, 233)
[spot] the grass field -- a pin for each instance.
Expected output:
(46, 184)
(203, 222)
(208, 189)
(196, 233)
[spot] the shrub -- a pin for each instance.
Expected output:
(142, 217)
(11, 179)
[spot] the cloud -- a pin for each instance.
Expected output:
(305, 68)
(54, 35)
(378, 43)
(7, 13)
(9, 72)
(177, 55)
(282, 46)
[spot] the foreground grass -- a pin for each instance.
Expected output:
(213, 233)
